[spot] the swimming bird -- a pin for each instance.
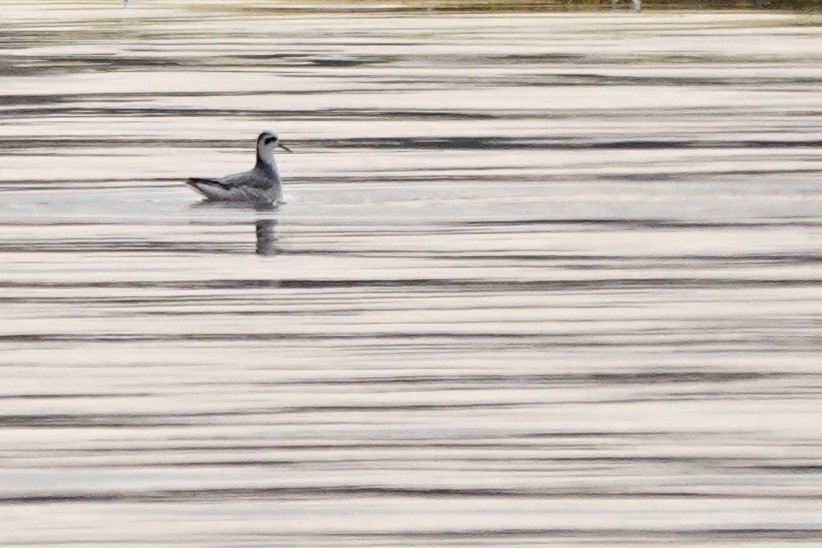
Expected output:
(261, 184)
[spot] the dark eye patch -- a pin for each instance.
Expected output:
(269, 139)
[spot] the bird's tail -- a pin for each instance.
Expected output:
(207, 187)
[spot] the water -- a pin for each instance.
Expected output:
(541, 279)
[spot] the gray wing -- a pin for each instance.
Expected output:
(251, 178)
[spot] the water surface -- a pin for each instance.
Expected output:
(540, 279)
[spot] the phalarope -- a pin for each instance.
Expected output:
(261, 184)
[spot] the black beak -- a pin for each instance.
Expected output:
(284, 147)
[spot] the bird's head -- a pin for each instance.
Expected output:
(267, 142)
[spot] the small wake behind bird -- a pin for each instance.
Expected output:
(259, 185)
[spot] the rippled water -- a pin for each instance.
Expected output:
(540, 279)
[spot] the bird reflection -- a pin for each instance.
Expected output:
(265, 226)
(266, 230)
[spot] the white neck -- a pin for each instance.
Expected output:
(265, 158)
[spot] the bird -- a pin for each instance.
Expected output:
(258, 185)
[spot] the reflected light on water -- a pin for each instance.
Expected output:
(539, 280)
